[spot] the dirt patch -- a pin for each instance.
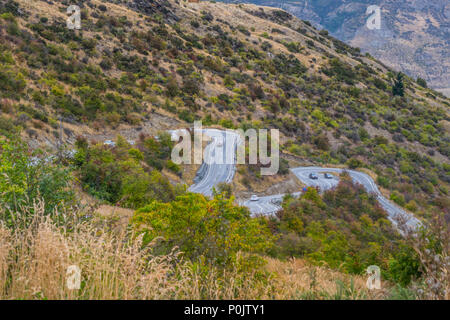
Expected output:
(157, 122)
(266, 186)
(120, 216)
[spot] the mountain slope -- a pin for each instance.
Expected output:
(142, 66)
(414, 35)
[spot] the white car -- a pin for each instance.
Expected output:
(313, 176)
(110, 143)
(328, 176)
(254, 198)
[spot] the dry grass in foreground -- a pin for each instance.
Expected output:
(34, 262)
(298, 279)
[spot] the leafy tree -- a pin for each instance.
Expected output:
(213, 229)
(354, 163)
(397, 198)
(421, 82)
(321, 141)
(225, 189)
(398, 89)
(405, 266)
(24, 178)
(344, 228)
(117, 174)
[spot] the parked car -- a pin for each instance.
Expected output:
(313, 176)
(254, 198)
(328, 176)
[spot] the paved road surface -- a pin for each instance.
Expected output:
(217, 168)
(394, 212)
(220, 166)
(219, 161)
(268, 205)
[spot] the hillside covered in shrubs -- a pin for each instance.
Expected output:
(139, 66)
(260, 68)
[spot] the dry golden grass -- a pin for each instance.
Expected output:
(299, 279)
(114, 265)
(121, 216)
(189, 171)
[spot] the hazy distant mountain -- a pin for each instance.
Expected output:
(414, 35)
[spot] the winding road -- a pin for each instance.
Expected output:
(219, 161)
(394, 212)
(268, 205)
(220, 166)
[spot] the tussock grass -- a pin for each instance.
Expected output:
(298, 279)
(114, 265)
(34, 262)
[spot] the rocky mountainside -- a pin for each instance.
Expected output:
(136, 68)
(414, 35)
(141, 66)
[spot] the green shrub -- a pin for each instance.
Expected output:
(215, 230)
(421, 82)
(117, 175)
(405, 266)
(354, 163)
(344, 228)
(398, 198)
(342, 71)
(25, 179)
